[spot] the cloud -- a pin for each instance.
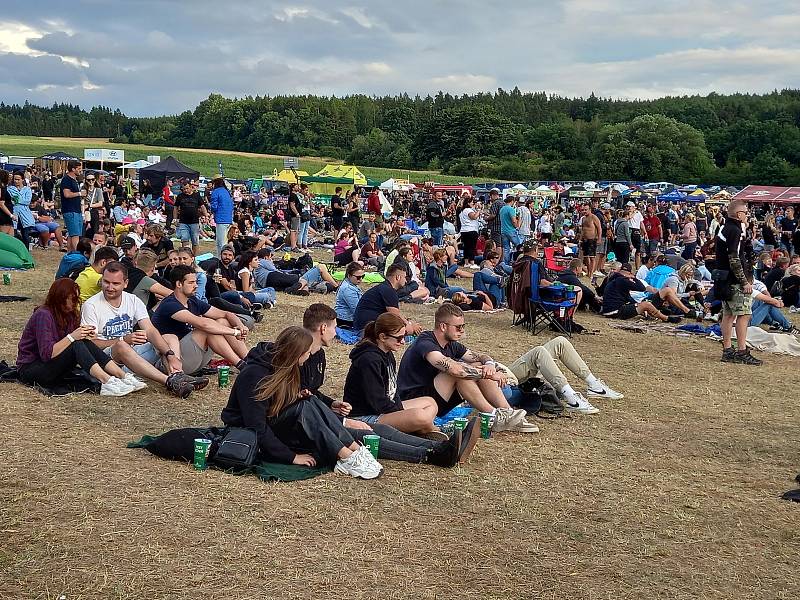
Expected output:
(634, 48)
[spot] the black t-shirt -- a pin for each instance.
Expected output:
(473, 303)
(618, 292)
(70, 204)
(161, 249)
(162, 317)
(373, 303)
(774, 274)
(294, 201)
(434, 215)
(188, 206)
(337, 210)
(769, 236)
(731, 240)
(416, 374)
(788, 226)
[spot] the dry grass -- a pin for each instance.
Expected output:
(669, 493)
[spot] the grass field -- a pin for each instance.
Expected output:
(672, 492)
(239, 165)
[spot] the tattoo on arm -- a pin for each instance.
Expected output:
(472, 372)
(476, 357)
(443, 364)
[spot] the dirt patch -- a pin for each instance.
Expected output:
(669, 493)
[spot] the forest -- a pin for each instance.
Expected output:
(725, 139)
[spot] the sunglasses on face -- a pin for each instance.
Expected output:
(458, 327)
(398, 338)
(359, 277)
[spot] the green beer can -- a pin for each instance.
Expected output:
(373, 442)
(6, 278)
(223, 376)
(201, 448)
(486, 425)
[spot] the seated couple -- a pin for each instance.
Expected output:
(57, 339)
(618, 302)
(278, 394)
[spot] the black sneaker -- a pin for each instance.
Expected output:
(197, 383)
(791, 331)
(445, 454)
(728, 354)
(673, 319)
(692, 314)
(256, 306)
(745, 358)
(177, 384)
(469, 437)
(257, 316)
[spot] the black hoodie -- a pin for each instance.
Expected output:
(243, 410)
(371, 384)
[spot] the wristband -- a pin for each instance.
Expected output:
(70, 338)
(490, 362)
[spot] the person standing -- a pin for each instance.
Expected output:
(71, 200)
(169, 202)
(435, 218)
(374, 203)
(635, 220)
(509, 222)
(590, 233)
(733, 261)
(689, 237)
(187, 208)
(337, 210)
(470, 228)
(493, 218)
(652, 230)
(222, 208)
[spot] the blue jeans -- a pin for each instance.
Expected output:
(437, 233)
(302, 239)
(488, 283)
(262, 296)
(509, 244)
(312, 276)
(768, 314)
(651, 247)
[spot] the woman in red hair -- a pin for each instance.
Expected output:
(53, 343)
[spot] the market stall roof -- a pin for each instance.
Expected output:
(763, 194)
(138, 164)
(349, 172)
(672, 196)
(58, 156)
(290, 176)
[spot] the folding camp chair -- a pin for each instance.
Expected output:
(552, 264)
(551, 305)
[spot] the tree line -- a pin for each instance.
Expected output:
(728, 139)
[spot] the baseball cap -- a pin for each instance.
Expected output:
(127, 243)
(494, 190)
(605, 205)
(127, 221)
(227, 247)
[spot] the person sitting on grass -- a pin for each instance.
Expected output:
(617, 300)
(349, 294)
(488, 280)
(371, 383)
(413, 290)
(53, 343)
(115, 315)
(436, 277)
(267, 274)
(196, 328)
(569, 276)
(248, 263)
(767, 311)
(383, 298)
(439, 366)
(143, 281)
(539, 363)
(75, 261)
(89, 279)
(318, 320)
(292, 429)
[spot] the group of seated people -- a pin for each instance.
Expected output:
(278, 392)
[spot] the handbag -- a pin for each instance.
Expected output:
(237, 449)
(722, 287)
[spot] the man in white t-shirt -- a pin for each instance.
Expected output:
(114, 314)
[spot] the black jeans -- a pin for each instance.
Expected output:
(470, 239)
(82, 353)
(280, 281)
(396, 445)
(310, 427)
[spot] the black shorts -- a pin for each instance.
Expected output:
(624, 312)
(445, 406)
(589, 248)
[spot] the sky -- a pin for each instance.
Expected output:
(149, 57)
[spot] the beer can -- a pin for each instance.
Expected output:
(460, 423)
(486, 425)
(373, 443)
(6, 278)
(223, 376)
(201, 449)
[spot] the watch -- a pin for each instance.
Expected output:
(169, 352)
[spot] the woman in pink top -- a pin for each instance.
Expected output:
(689, 237)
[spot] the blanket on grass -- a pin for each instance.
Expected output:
(266, 471)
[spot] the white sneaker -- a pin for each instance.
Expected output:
(115, 387)
(794, 309)
(358, 465)
(506, 419)
(525, 426)
(579, 404)
(603, 392)
(132, 381)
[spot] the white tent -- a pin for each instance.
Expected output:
(396, 185)
(138, 164)
(590, 185)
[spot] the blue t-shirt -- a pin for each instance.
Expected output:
(72, 205)
(162, 317)
(507, 214)
(374, 303)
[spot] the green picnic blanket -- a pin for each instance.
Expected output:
(265, 471)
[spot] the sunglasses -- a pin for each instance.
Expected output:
(458, 327)
(359, 277)
(398, 338)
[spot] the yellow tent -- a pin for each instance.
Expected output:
(343, 172)
(289, 177)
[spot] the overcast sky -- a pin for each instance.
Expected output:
(153, 57)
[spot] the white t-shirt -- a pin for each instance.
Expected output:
(524, 221)
(468, 224)
(113, 323)
(635, 221)
(544, 224)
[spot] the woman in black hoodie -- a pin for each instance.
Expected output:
(371, 384)
(290, 429)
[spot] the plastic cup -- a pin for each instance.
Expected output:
(486, 425)
(373, 442)
(460, 423)
(201, 449)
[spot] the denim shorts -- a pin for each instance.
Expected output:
(312, 276)
(189, 232)
(48, 227)
(74, 223)
(368, 419)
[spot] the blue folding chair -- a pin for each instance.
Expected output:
(550, 305)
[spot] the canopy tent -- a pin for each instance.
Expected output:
(289, 176)
(349, 172)
(396, 185)
(168, 168)
(769, 194)
(58, 156)
(698, 196)
(138, 164)
(673, 196)
(55, 161)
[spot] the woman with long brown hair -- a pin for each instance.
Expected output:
(53, 343)
(7, 217)
(291, 427)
